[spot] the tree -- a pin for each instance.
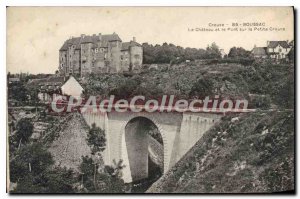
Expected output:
(291, 55)
(213, 51)
(96, 139)
(24, 130)
(239, 52)
(116, 169)
(125, 90)
(31, 160)
(202, 88)
(106, 181)
(17, 91)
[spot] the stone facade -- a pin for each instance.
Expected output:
(99, 54)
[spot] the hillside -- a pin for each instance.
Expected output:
(272, 84)
(68, 148)
(246, 153)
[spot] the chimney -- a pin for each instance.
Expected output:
(100, 36)
(133, 39)
(268, 42)
(82, 36)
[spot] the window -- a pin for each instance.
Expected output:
(105, 56)
(96, 50)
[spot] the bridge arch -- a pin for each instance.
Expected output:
(161, 130)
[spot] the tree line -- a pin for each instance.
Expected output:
(170, 53)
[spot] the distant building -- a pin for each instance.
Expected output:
(49, 87)
(99, 54)
(223, 54)
(277, 50)
(259, 52)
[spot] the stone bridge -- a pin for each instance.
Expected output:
(179, 131)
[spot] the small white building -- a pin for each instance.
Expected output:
(72, 88)
(278, 49)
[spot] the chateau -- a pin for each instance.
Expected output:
(99, 54)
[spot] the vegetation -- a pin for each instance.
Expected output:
(21, 135)
(238, 52)
(252, 154)
(272, 85)
(18, 92)
(32, 169)
(96, 139)
(169, 53)
(97, 178)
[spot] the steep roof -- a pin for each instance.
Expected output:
(126, 45)
(72, 87)
(274, 44)
(259, 51)
(95, 39)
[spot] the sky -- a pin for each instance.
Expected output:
(35, 34)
